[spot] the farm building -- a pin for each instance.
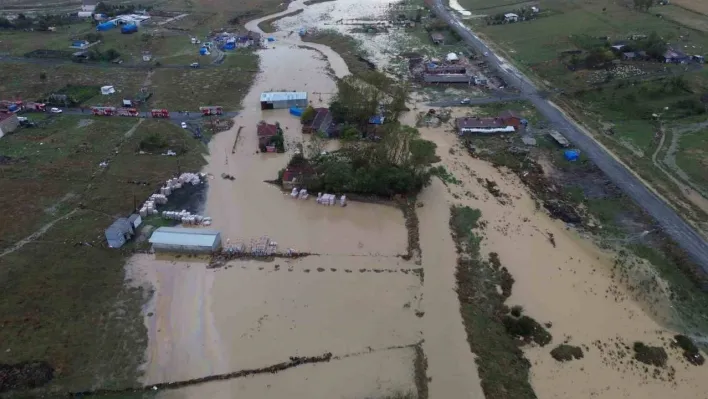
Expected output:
(119, 232)
(183, 239)
(477, 125)
(8, 123)
(265, 132)
(511, 118)
(283, 99)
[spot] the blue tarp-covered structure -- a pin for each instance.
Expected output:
(571, 155)
(295, 111)
(230, 46)
(130, 28)
(106, 26)
(203, 51)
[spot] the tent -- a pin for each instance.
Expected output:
(571, 155)
(129, 28)
(203, 51)
(106, 90)
(106, 26)
(295, 111)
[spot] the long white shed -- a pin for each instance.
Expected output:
(185, 239)
(283, 99)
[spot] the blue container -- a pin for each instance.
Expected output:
(571, 155)
(295, 111)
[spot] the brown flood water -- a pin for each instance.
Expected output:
(358, 300)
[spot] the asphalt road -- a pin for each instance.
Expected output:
(477, 101)
(683, 233)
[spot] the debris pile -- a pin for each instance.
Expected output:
(150, 206)
(187, 217)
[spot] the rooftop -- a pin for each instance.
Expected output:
(471, 123)
(283, 96)
(6, 115)
(264, 129)
(508, 114)
(184, 236)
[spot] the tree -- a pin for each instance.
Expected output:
(654, 45)
(350, 133)
(308, 115)
(42, 76)
(5, 23)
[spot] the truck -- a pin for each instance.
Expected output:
(103, 111)
(160, 113)
(211, 110)
(128, 112)
(35, 107)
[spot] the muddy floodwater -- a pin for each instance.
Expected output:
(357, 298)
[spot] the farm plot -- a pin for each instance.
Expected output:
(692, 156)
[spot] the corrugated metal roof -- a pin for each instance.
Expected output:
(184, 236)
(283, 96)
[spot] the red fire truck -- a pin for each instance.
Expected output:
(128, 112)
(103, 111)
(160, 113)
(37, 107)
(211, 110)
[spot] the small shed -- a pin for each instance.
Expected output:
(8, 122)
(119, 232)
(437, 38)
(559, 138)
(185, 239)
(321, 123)
(452, 57)
(135, 220)
(511, 17)
(283, 99)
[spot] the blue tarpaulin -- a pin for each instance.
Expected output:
(230, 46)
(376, 120)
(571, 155)
(130, 28)
(203, 51)
(106, 26)
(271, 39)
(296, 111)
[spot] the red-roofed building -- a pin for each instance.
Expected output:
(265, 132)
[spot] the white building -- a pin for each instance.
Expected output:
(283, 99)
(185, 239)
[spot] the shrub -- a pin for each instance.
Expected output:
(528, 329)
(652, 355)
(565, 353)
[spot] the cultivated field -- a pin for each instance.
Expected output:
(699, 6)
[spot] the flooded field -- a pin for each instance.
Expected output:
(357, 299)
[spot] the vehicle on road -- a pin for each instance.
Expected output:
(55, 111)
(486, 53)
(465, 101)
(184, 125)
(194, 65)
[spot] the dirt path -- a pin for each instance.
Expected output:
(36, 234)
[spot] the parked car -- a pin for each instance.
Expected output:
(194, 65)
(55, 110)
(184, 125)
(465, 101)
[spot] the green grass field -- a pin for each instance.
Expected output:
(64, 298)
(692, 156)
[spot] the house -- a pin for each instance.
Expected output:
(321, 123)
(629, 56)
(511, 118)
(283, 99)
(617, 47)
(466, 125)
(511, 17)
(8, 123)
(183, 239)
(672, 56)
(265, 132)
(89, 5)
(480, 80)
(119, 232)
(296, 173)
(437, 38)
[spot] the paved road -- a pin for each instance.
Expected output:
(477, 101)
(683, 233)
